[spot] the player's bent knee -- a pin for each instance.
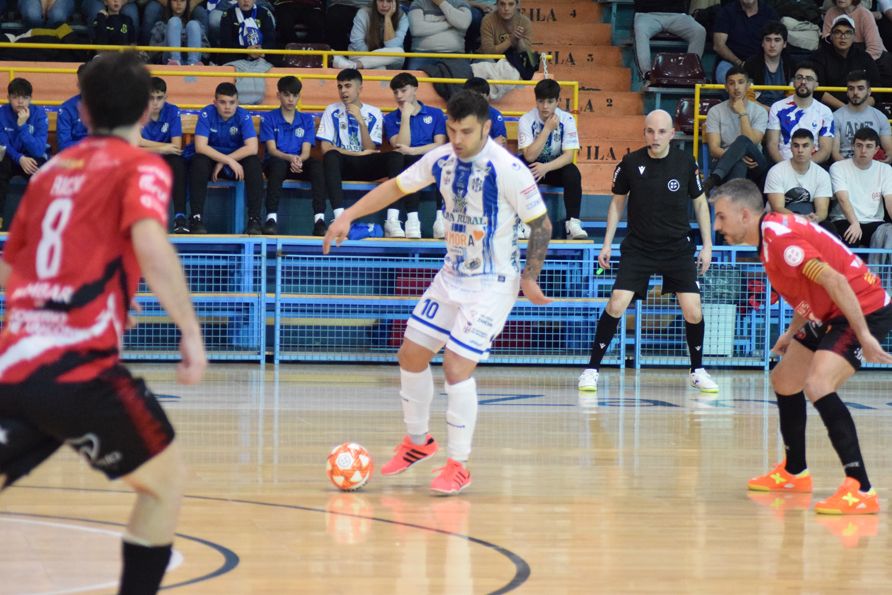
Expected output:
(163, 476)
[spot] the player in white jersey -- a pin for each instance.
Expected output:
(487, 193)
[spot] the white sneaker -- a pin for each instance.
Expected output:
(588, 380)
(341, 62)
(393, 229)
(574, 229)
(701, 380)
(439, 226)
(413, 229)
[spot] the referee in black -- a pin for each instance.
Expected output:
(658, 181)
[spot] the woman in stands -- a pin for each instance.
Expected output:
(380, 27)
(179, 27)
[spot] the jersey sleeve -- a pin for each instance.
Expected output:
(391, 124)
(838, 180)
(147, 183)
(620, 179)
(884, 129)
(773, 120)
(176, 125)
(825, 187)
(376, 129)
(267, 131)
(525, 135)
(571, 134)
(419, 175)
(760, 121)
(827, 129)
(326, 130)
(695, 184)
(247, 127)
(203, 126)
(522, 192)
(439, 123)
(498, 126)
(309, 129)
(774, 182)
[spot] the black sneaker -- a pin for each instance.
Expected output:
(271, 227)
(253, 227)
(196, 225)
(319, 228)
(180, 225)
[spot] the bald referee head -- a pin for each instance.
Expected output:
(658, 133)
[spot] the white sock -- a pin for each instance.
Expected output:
(413, 216)
(272, 216)
(393, 214)
(417, 392)
(337, 212)
(318, 217)
(461, 417)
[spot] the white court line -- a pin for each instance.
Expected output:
(176, 558)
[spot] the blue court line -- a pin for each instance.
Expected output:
(502, 398)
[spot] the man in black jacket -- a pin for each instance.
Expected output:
(771, 66)
(838, 57)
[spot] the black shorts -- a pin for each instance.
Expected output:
(114, 421)
(837, 335)
(675, 262)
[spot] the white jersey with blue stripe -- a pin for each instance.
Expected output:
(483, 201)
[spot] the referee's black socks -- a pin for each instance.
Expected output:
(843, 436)
(694, 332)
(603, 336)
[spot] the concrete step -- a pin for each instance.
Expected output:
(612, 127)
(600, 78)
(586, 34)
(582, 60)
(596, 177)
(607, 103)
(562, 12)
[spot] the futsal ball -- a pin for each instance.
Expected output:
(349, 466)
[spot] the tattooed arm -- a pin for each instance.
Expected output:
(537, 247)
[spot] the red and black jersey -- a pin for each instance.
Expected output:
(74, 270)
(794, 251)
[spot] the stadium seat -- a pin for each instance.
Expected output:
(304, 61)
(684, 112)
(677, 70)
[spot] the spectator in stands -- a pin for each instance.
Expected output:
(350, 134)
(339, 17)
(163, 134)
(225, 146)
(288, 136)
(44, 13)
(69, 128)
(112, 27)
(548, 141)
(883, 15)
(863, 190)
(309, 13)
(738, 33)
(867, 35)
(380, 27)
(180, 27)
(655, 16)
(835, 59)
(799, 185)
(23, 132)
(858, 114)
(412, 129)
(248, 25)
(800, 111)
(92, 8)
(479, 10)
(772, 66)
(734, 131)
(497, 131)
(437, 26)
(505, 28)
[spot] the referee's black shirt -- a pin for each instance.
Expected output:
(660, 194)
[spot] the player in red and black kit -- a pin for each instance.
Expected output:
(840, 312)
(92, 218)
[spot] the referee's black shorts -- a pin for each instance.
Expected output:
(114, 421)
(836, 335)
(675, 262)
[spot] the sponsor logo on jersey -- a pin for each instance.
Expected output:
(673, 185)
(427, 120)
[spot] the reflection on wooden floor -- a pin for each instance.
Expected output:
(640, 488)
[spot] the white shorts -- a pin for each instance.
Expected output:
(466, 315)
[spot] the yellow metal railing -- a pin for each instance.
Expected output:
(193, 72)
(698, 117)
(325, 54)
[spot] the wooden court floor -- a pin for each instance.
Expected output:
(639, 489)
